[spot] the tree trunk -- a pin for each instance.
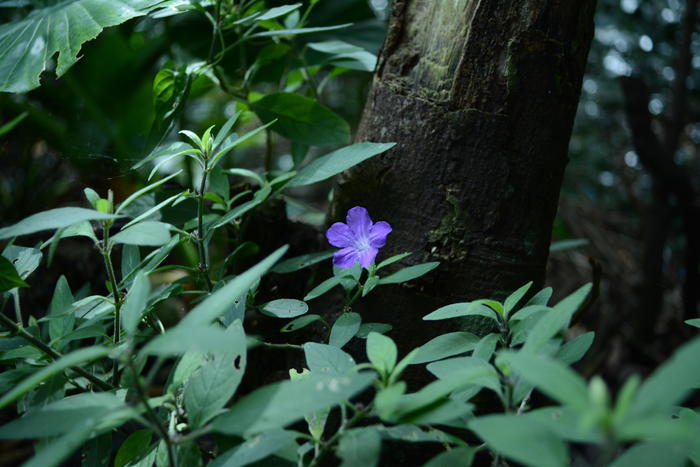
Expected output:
(480, 96)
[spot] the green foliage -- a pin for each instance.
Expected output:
(85, 374)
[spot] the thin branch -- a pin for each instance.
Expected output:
(53, 354)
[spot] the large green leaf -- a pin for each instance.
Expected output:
(51, 219)
(79, 356)
(446, 345)
(360, 447)
(521, 439)
(322, 358)
(302, 119)
(215, 382)
(338, 161)
(27, 45)
(280, 404)
(61, 416)
(9, 279)
(256, 448)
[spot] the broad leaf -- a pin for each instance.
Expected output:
(27, 45)
(446, 345)
(279, 404)
(135, 303)
(338, 161)
(327, 359)
(521, 439)
(344, 329)
(382, 352)
(79, 356)
(301, 322)
(285, 308)
(61, 322)
(51, 220)
(147, 233)
(301, 262)
(215, 382)
(255, 448)
(409, 273)
(9, 278)
(302, 120)
(133, 448)
(551, 377)
(220, 301)
(359, 447)
(671, 382)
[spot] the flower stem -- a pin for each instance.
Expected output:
(106, 255)
(53, 354)
(203, 263)
(162, 432)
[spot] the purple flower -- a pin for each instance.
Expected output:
(360, 239)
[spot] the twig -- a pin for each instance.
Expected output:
(15, 329)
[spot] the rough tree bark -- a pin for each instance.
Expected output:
(480, 96)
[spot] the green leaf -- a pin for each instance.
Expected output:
(555, 320)
(513, 299)
(255, 448)
(60, 417)
(58, 449)
(344, 329)
(446, 345)
(278, 11)
(461, 456)
(367, 328)
(285, 308)
(456, 310)
(279, 404)
(147, 233)
(327, 359)
(302, 120)
(346, 55)
(135, 303)
(324, 287)
(409, 273)
(300, 323)
(186, 338)
(79, 356)
(382, 352)
(671, 382)
(25, 260)
(468, 371)
(133, 448)
(51, 220)
(551, 377)
(218, 302)
(541, 298)
(521, 439)
(651, 454)
(301, 262)
(240, 140)
(215, 382)
(29, 44)
(576, 348)
(62, 322)
(7, 127)
(693, 322)
(338, 161)
(568, 244)
(359, 447)
(393, 260)
(9, 279)
(387, 400)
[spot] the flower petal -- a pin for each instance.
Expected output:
(340, 235)
(359, 222)
(345, 258)
(378, 233)
(367, 256)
